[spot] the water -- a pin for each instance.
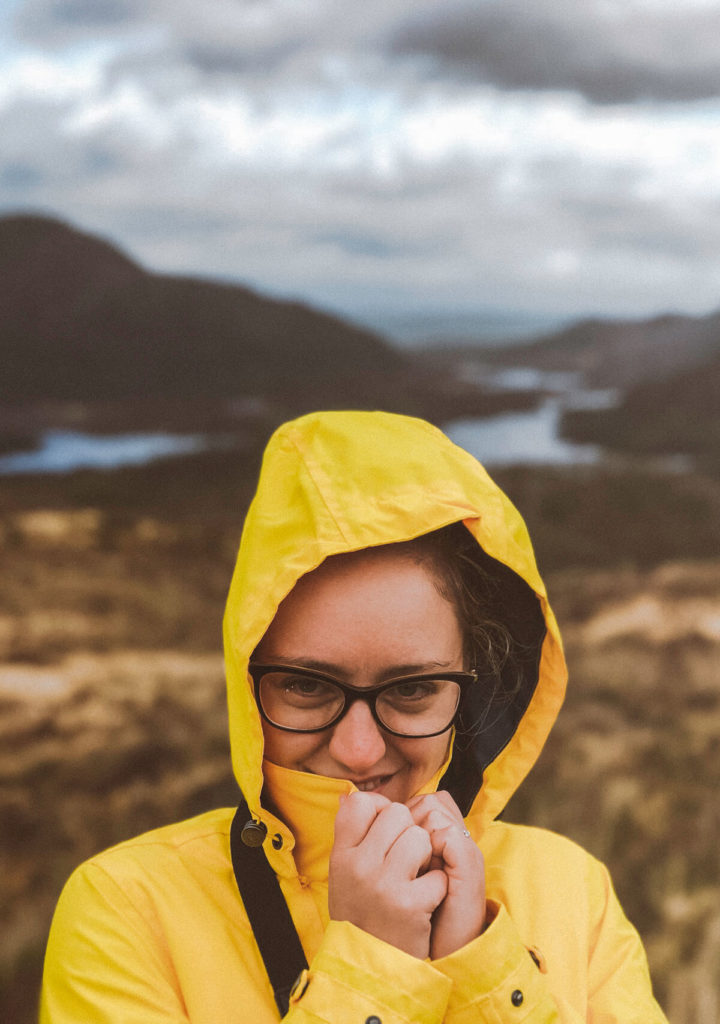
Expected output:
(534, 436)
(527, 437)
(520, 378)
(511, 438)
(62, 451)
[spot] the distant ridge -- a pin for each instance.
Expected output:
(620, 353)
(80, 321)
(671, 415)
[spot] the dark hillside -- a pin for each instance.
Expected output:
(79, 321)
(620, 353)
(679, 415)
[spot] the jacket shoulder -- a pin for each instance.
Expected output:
(521, 856)
(194, 839)
(531, 840)
(178, 833)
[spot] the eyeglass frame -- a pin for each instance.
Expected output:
(351, 694)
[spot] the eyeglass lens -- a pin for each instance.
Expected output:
(306, 703)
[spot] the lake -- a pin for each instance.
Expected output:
(61, 451)
(534, 436)
(499, 440)
(511, 438)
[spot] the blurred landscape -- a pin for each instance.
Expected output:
(112, 706)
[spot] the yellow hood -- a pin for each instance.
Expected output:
(339, 481)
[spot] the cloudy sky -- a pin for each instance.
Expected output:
(381, 157)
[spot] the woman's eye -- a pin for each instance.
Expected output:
(310, 688)
(413, 691)
(305, 685)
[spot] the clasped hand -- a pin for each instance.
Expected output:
(406, 873)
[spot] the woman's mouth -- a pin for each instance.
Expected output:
(371, 784)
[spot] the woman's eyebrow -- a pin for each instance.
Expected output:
(340, 672)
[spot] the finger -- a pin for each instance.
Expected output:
(461, 857)
(433, 816)
(357, 813)
(436, 820)
(390, 823)
(430, 890)
(410, 853)
(440, 797)
(437, 823)
(439, 804)
(435, 860)
(447, 801)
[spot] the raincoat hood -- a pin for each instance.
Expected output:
(335, 482)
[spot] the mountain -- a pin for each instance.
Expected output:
(677, 414)
(618, 353)
(666, 371)
(80, 321)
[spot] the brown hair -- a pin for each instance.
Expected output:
(499, 616)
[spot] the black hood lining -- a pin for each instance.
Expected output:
(484, 728)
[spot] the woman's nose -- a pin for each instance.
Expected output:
(356, 741)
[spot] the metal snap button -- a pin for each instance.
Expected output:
(253, 833)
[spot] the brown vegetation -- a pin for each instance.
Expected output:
(632, 768)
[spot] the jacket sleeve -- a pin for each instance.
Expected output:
(495, 978)
(356, 978)
(619, 987)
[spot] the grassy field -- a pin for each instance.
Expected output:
(112, 710)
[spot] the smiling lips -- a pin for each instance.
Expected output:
(367, 785)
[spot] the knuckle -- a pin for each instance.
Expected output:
(401, 812)
(404, 900)
(449, 804)
(418, 838)
(437, 820)
(419, 802)
(360, 801)
(398, 816)
(421, 835)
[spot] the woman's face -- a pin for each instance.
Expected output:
(364, 618)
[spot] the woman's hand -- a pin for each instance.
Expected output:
(461, 915)
(380, 876)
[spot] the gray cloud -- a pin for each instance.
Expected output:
(368, 216)
(610, 53)
(55, 22)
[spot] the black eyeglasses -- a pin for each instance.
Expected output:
(303, 700)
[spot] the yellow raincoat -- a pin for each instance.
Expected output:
(154, 930)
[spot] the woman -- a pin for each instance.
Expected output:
(393, 671)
